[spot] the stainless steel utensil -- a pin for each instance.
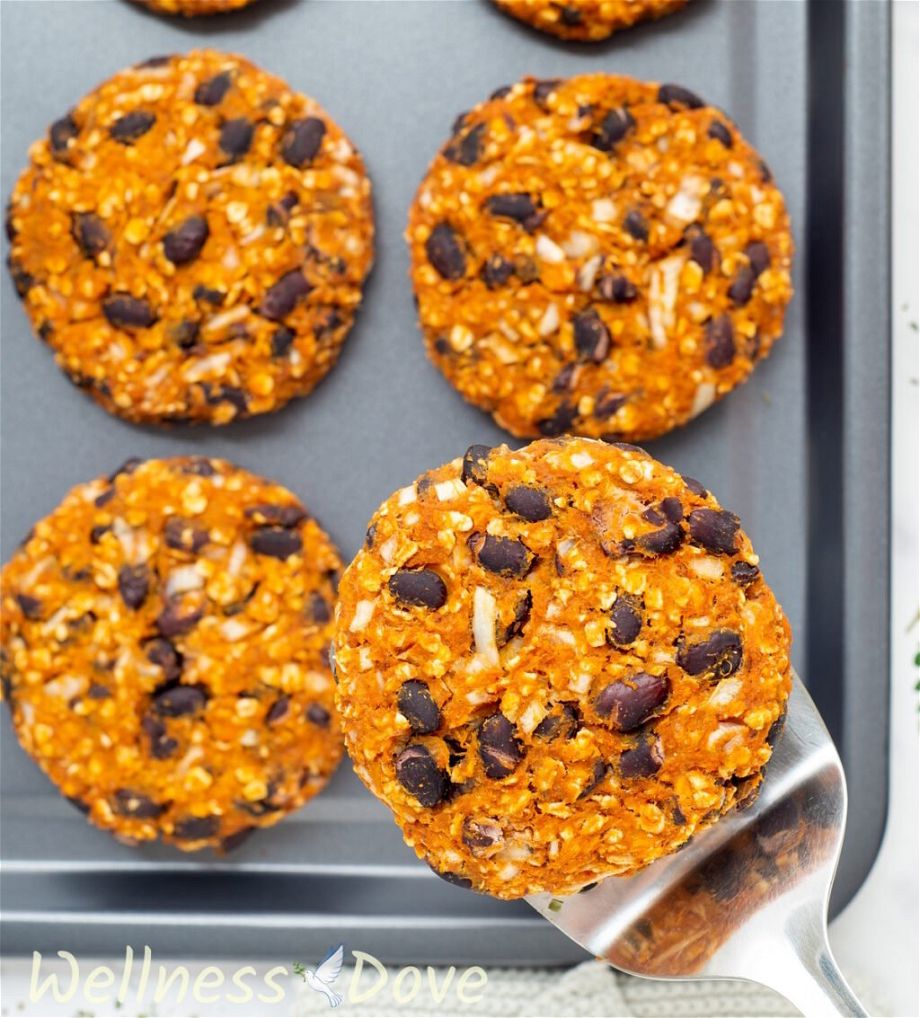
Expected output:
(748, 898)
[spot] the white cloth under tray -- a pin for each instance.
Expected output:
(590, 989)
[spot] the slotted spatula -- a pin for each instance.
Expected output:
(748, 898)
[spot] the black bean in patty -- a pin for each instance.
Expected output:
(173, 621)
(128, 803)
(131, 126)
(466, 147)
(505, 556)
(531, 504)
(663, 541)
(319, 609)
(720, 342)
(445, 252)
(91, 234)
(694, 485)
(279, 710)
(520, 619)
(720, 132)
(499, 748)
(177, 700)
(302, 141)
(127, 312)
(133, 585)
(419, 774)
(598, 773)
(481, 834)
(719, 654)
(162, 746)
(276, 515)
(236, 137)
(559, 422)
(543, 89)
(636, 225)
(183, 535)
(496, 271)
(61, 133)
(197, 828)
(617, 123)
(702, 249)
(282, 340)
(677, 95)
(562, 722)
(417, 705)
(519, 207)
(161, 652)
(742, 286)
(744, 574)
(30, 606)
(625, 621)
(759, 256)
(318, 715)
(642, 761)
(281, 299)
(422, 588)
(184, 243)
(629, 704)
(457, 879)
(278, 542)
(476, 464)
(617, 288)
(592, 337)
(212, 91)
(714, 529)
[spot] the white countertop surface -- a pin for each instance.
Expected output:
(877, 935)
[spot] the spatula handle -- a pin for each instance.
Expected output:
(803, 970)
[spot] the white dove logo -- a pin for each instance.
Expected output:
(326, 974)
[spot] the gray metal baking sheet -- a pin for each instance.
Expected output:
(800, 452)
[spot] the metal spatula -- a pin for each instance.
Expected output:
(748, 898)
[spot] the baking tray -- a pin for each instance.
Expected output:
(800, 452)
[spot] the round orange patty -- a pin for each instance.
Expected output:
(557, 664)
(586, 20)
(165, 643)
(599, 256)
(191, 240)
(194, 8)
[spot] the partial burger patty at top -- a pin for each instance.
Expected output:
(191, 240)
(598, 256)
(586, 20)
(557, 664)
(194, 8)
